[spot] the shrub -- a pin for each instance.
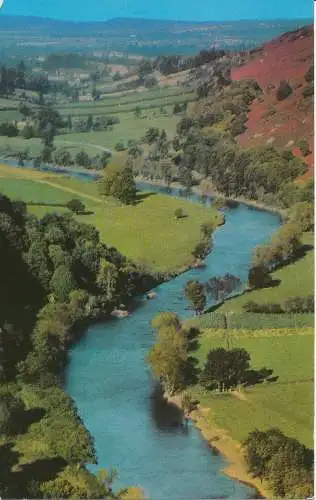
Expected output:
(76, 206)
(284, 90)
(309, 90)
(309, 76)
(179, 213)
(120, 146)
(304, 147)
(300, 304)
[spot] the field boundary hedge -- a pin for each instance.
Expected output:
(251, 321)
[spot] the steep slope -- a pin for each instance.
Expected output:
(281, 122)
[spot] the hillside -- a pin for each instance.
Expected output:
(286, 122)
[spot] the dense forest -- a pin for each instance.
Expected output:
(56, 276)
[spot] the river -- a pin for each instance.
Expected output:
(110, 382)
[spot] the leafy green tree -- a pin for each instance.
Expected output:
(303, 215)
(195, 294)
(62, 157)
(76, 206)
(62, 283)
(225, 368)
(284, 90)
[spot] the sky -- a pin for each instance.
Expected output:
(191, 10)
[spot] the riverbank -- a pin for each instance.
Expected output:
(207, 191)
(225, 445)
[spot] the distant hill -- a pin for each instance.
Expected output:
(140, 36)
(281, 122)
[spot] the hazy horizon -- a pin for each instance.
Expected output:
(165, 10)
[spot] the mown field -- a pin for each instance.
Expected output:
(286, 403)
(146, 232)
(296, 279)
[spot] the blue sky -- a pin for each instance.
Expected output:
(194, 10)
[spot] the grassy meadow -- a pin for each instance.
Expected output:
(147, 231)
(285, 403)
(295, 279)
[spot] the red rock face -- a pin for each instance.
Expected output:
(281, 123)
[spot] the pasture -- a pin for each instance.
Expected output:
(286, 402)
(295, 279)
(147, 232)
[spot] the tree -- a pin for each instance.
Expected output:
(62, 157)
(168, 357)
(76, 206)
(201, 249)
(303, 215)
(138, 112)
(195, 294)
(225, 369)
(284, 90)
(221, 287)
(152, 135)
(83, 159)
(62, 283)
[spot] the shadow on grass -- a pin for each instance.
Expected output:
(141, 196)
(30, 417)
(254, 377)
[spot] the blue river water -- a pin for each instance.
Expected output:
(110, 382)
(116, 397)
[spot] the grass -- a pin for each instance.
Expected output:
(251, 321)
(130, 128)
(286, 403)
(296, 279)
(145, 232)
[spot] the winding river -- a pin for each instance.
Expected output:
(110, 382)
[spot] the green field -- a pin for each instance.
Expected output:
(296, 279)
(286, 403)
(129, 128)
(144, 100)
(146, 232)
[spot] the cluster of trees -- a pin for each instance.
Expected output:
(225, 369)
(283, 462)
(73, 277)
(291, 305)
(284, 247)
(62, 157)
(92, 123)
(218, 287)
(173, 64)
(119, 183)
(12, 78)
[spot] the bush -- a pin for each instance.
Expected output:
(269, 308)
(309, 90)
(120, 146)
(304, 147)
(309, 77)
(300, 304)
(76, 206)
(179, 213)
(284, 90)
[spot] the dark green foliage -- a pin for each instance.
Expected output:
(83, 159)
(284, 90)
(202, 249)
(258, 276)
(304, 147)
(195, 293)
(11, 413)
(120, 184)
(62, 283)
(299, 304)
(302, 214)
(221, 287)
(179, 213)
(9, 129)
(309, 77)
(285, 463)
(225, 369)
(76, 206)
(309, 90)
